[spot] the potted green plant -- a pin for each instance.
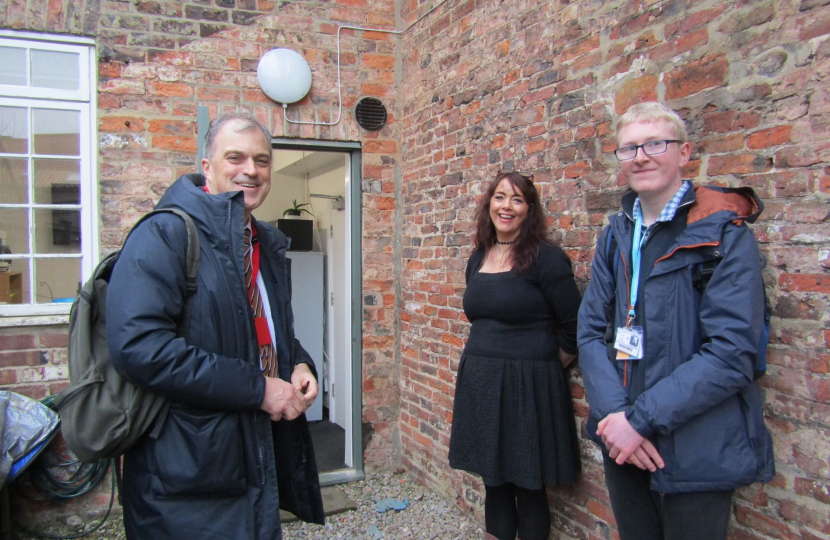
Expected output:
(297, 210)
(299, 231)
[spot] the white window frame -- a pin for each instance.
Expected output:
(83, 100)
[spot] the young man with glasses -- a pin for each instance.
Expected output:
(667, 358)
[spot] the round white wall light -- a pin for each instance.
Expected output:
(284, 75)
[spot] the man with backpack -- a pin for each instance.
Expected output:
(234, 445)
(669, 332)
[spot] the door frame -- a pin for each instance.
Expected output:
(353, 149)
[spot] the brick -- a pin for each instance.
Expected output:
(380, 147)
(815, 489)
(378, 61)
(173, 58)
(22, 358)
(738, 164)
(244, 17)
(722, 144)
(20, 341)
(54, 339)
(680, 45)
(217, 94)
(121, 87)
(203, 14)
(708, 72)
(819, 283)
(796, 156)
(762, 523)
(694, 20)
(766, 138)
(177, 144)
(120, 123)
(635, 91)
(175, 127)
(759, 13)
(581, 48)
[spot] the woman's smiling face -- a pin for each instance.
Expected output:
(508, 210)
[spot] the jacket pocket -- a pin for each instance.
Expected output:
(199, 453)
(714, 449)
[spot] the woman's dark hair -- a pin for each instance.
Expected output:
(533, 231)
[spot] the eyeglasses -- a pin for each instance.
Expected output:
(651, 148)
(524, 174)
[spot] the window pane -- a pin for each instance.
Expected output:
(14, 283)
(13, 66)
(57, 181)
(57, 132)
(14, 130)
(52, 69)
(57, 279)
(14, 229)
(13, 180)
(58, 231)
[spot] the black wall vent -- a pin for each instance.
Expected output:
(370, 113)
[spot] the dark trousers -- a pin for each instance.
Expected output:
(643, 514)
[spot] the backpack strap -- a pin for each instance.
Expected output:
(612, 254)
(612, 251)
(192, 259)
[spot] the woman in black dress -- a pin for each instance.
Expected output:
(513, 421)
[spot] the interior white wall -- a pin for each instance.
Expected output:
(284, 189)
(330, 182)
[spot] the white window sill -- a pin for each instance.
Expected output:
(54, 319)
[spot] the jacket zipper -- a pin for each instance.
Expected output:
(626, 363)
(260, 464)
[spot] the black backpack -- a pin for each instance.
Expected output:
(102, 414)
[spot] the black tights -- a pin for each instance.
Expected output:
(509, 508)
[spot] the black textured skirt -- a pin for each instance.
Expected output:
(513, 422)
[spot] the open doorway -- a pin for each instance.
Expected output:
(321, 181)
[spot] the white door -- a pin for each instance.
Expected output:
(339, 306)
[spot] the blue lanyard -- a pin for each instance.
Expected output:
(635, 265)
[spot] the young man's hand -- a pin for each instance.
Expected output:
(624, 444)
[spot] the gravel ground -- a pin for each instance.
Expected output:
(427, 517)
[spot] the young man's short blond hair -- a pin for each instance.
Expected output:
(652, 111)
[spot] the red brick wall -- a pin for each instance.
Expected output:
(536, 86)
(158, 61)
(484, 84)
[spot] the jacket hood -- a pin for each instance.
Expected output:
(743, 202)
(187, 193)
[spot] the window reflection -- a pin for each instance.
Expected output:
(14, 130)
(57, 280)
(57, 132)
(14, 180)
(14, 284)
(54, 69)
(13, 66)
(57, 172)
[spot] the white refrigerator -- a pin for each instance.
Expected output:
(307, 302)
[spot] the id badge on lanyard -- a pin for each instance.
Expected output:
(629, 339)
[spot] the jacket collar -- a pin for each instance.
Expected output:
(629, 198)
(741, 204)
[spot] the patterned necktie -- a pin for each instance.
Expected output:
(267, 353)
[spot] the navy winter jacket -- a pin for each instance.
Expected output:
(212, 472)
(693, 394)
